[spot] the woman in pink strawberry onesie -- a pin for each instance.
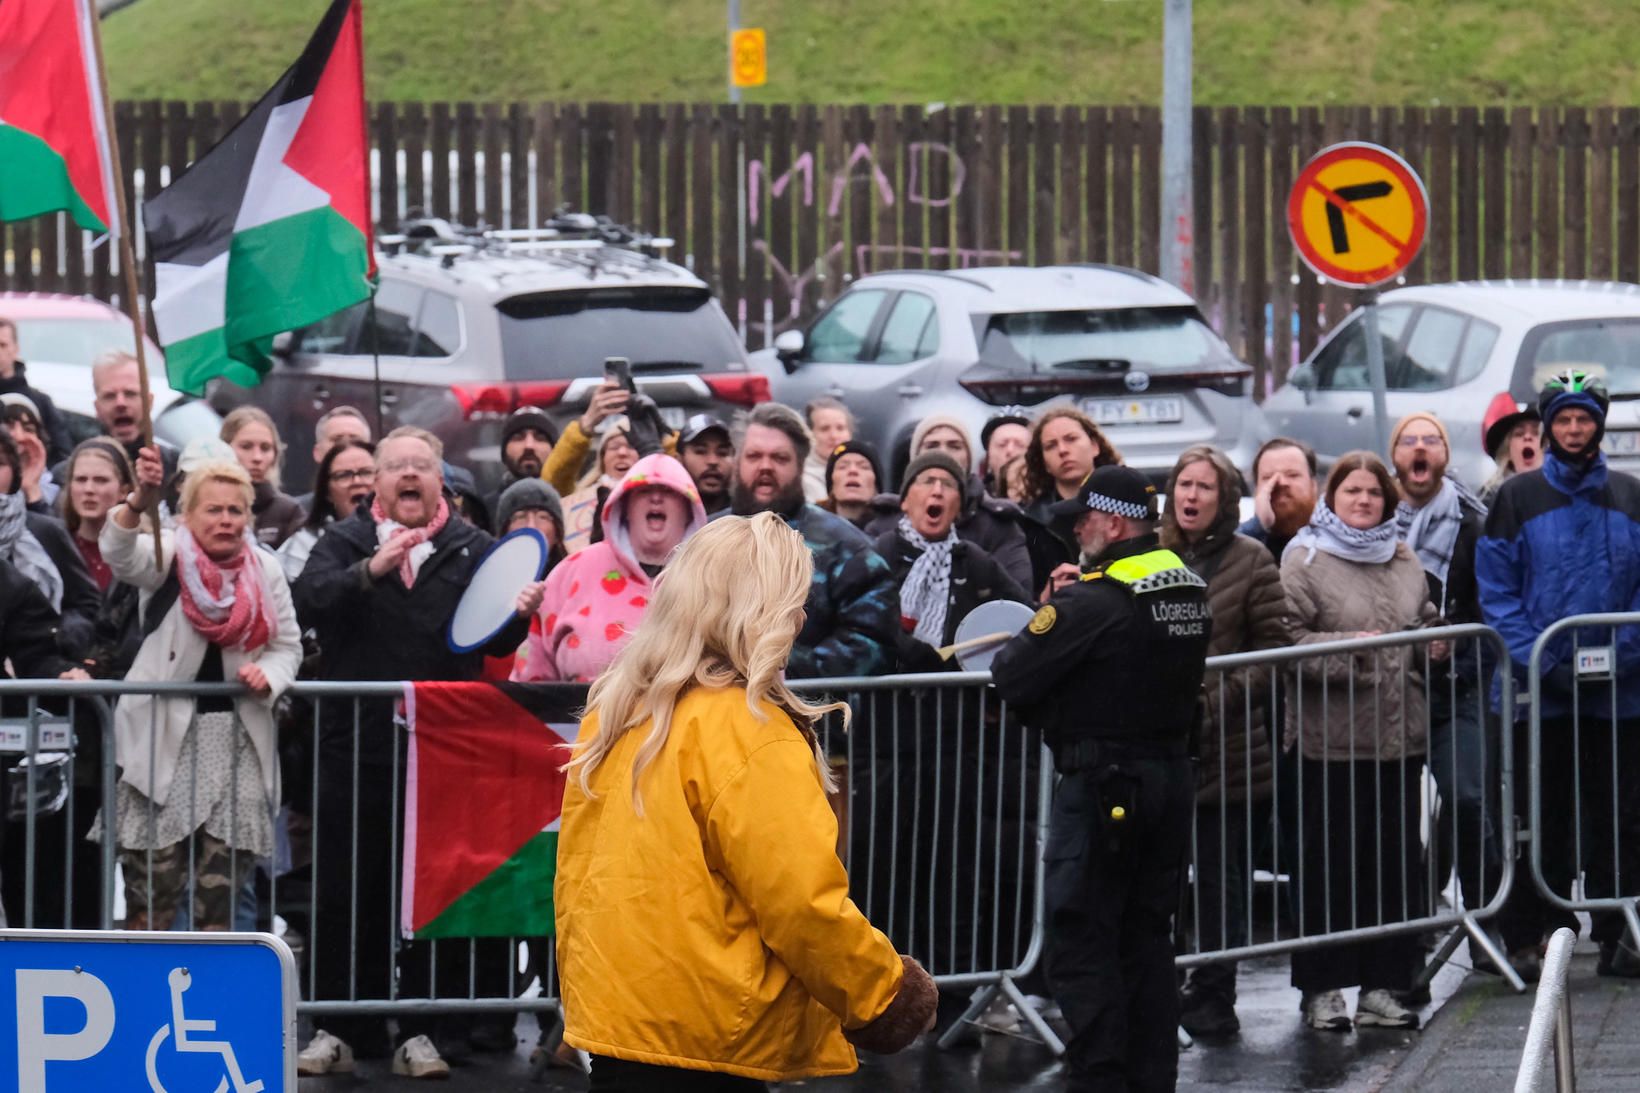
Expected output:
(595, 597)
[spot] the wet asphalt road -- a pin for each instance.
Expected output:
(1273, 1052)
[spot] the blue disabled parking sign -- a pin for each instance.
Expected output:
(138, 1011)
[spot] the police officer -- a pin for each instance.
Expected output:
(1110, 671)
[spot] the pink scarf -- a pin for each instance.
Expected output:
(224, 601)
(412, 537)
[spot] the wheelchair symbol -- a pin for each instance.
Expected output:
(179, 982)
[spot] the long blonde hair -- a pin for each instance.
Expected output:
(724, 614)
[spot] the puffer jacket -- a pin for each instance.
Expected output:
(1560, 543)
(1331, 599)
(714, 931)
(1249, 613)
(596, 597)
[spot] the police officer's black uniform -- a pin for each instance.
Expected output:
(1110, 671)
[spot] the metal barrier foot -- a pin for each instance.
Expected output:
(1032, 1017)
(982, 998)
(1478, 936)
(1443, 953)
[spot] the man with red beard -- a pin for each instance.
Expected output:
(1284, 492)
(1441, 520)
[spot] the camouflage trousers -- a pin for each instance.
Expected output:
(157, 881)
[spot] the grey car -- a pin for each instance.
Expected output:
(1450, 349)
(1129, 349)
(469, 326)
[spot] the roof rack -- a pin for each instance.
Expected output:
(578, 240)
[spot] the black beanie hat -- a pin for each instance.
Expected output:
(528, 493)
(529, 417)
(856, 447)
(935, 461)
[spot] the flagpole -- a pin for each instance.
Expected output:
(375, 361)
(128, 255)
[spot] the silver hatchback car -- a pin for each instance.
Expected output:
(1450, 349)
(1129, 349)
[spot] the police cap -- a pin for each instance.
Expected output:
(1121, 491)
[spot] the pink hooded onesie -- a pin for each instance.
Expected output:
(596, 596)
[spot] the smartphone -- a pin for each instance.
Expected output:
(618, 370)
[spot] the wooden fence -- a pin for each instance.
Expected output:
(779, 207)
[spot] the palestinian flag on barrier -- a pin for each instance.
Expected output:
(54, 146)
(270, 229)
(483, 799)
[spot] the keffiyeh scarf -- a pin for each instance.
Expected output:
(19, 547)
(927, 587)
(420, 539)
(1325, 531)
(1432, 531)
(225, 601)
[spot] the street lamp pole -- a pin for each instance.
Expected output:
(734, 25)
(1177, 226)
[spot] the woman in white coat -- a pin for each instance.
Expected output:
(199, 779)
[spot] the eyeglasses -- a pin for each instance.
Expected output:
(1430, 440)
(930, 479)
(363, 474)
(399, 466)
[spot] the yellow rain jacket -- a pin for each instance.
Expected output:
(715, 932)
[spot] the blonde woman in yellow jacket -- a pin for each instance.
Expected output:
(706, 939)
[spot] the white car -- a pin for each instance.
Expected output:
(1452, 348)
(59, 335)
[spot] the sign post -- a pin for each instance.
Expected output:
(1358, 215)
(146, 1011)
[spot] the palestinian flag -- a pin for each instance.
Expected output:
(483, 797)
(270, 229)
(54, 146)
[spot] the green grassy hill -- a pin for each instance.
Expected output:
(1105, 51)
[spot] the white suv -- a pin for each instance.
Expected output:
(1129, 349)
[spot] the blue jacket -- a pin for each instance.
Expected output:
(1560, 543)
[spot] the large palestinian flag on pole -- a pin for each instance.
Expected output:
(270, 229)
(54, 146)
(484, 793)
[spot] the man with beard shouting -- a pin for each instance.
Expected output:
(1283, 493)
(1441, 520)
(118, 391)
(853, 605)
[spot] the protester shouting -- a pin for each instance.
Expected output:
(850, 625)
(1512, 433)
(198, 777)
(378, 591)
(707, 451)
(698, 775)
(595, 600)
(1440, 520)
(853, 474)
(1360, 724)
(1234, 769)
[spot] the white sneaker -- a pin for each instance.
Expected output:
(1379, 1007)
(1327, 1011)
(418, 1058)
(325, 1054)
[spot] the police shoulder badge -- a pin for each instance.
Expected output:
(1043, 620)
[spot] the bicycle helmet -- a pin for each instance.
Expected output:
(1573, 387)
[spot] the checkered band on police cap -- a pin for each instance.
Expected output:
(1099, 502)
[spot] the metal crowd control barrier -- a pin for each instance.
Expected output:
(1585, 807)
(1348, 846)
(946, 802)
(1550, 1033)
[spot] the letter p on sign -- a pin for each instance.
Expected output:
(35, 1046)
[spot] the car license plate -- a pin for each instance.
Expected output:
(1134, 411)
(1622, 442)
